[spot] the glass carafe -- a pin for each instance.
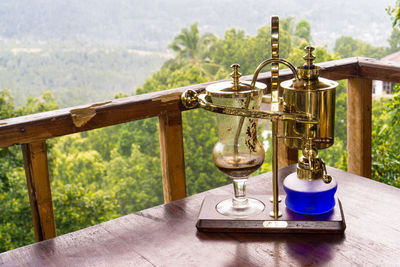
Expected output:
(238, 152)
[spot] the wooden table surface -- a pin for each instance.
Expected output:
(166, 235)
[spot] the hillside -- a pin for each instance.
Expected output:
(75, 74)
(85, 51)
(150, 25)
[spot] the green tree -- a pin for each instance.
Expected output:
(194, 49)
(394, 13)
(303, 30)
(135, 180)
(394, 40)
(347, 46)
(385, 145)
(16, 227)
(248, 51)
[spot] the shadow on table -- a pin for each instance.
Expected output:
(279, 249)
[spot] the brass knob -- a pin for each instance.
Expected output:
(190, 99)
(235, 76)
(327, 178)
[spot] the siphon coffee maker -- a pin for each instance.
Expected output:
(306, 111)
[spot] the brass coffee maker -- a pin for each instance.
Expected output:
(306, 111)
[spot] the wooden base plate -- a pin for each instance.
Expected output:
(290, 222)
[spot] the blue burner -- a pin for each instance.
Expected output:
(309, 197)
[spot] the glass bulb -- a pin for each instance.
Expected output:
(238, 153)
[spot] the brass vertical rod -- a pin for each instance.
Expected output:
(275, 191)
(275, 66)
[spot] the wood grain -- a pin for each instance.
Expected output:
(359, 114)
(38, 181)
(166, 235)
(379, 70)
(172, 158)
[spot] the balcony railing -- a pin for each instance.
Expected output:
(32, 131)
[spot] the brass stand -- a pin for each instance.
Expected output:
(289, 222)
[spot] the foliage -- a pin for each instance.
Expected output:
(16, 227)
(249, 51)
(15, 221)
(303, 30)
(394, 13)
(385, 145)
(347, 46)
(394, 40)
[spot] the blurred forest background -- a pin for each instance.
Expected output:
(103, 174)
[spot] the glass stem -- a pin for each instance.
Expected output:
(240, 199)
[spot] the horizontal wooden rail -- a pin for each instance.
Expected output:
(42, 126)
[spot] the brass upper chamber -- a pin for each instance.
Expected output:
(315, 96)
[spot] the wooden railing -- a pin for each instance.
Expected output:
(32, 131)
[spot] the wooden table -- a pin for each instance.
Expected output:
(166, 235)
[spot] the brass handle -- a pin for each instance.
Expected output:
(275, 60)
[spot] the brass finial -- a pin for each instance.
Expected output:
(235, 75)
(309, 72)
(309, 57)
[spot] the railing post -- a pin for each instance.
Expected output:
(37, 177)
(172, 157)
(359, 107)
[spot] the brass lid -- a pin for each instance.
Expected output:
(309, 75)
(320, 85)
(235, 88)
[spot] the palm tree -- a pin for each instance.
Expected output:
(194, 49)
